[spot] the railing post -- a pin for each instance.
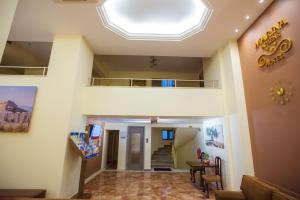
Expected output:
(131, 82)
(175, 81)
(44, 71)
(93, 80)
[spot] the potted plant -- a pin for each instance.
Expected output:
(206, 158)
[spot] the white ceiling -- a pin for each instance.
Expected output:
(38, 20)
(156, 19)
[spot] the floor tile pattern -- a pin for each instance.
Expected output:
(111, 185)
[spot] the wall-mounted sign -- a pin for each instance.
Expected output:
(273, 45)
(281, 92)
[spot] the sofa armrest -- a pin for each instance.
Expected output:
(229, 195)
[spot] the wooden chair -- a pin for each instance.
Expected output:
(200, 155)
(216, 178)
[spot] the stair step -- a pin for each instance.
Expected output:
(164, 149)
(162, 153)
(162, 165)
(161, 157)
(162, 161)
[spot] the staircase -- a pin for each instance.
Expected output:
(162, 157)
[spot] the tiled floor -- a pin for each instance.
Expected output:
(111, 185)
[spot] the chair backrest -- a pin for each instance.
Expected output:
(218, 163)
(199, 152)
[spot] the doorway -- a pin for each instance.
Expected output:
(135, 148)
(112, 149)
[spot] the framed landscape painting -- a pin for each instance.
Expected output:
(16, 106)
(214, 136)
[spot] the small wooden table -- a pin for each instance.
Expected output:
(198, 166)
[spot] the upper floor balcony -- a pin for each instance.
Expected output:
(147, 82)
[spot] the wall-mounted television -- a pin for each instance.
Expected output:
(95, 131)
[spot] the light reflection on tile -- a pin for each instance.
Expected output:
(111, 185)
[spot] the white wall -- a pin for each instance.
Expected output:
(41, 158)
(239, 154)
(222, 153)
(236, 113)
(152, 101)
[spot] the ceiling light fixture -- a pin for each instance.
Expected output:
(261, 1)
(247, 17)
(153, 61)
(236, 30)
(170, 20)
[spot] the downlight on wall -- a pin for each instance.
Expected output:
(157, 20)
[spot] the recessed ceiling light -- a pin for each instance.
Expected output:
(261, 1)
(247, 17)
(236, 30)
(155, 20)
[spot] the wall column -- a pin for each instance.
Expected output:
(236, 120)
(42, 158)
(225, 66)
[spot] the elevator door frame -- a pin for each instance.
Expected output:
(129, 166)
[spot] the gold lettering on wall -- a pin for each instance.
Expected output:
(274, 46)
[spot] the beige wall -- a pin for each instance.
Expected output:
(156, 139)
(148, 75)
(16, 55)
(41, 158)
(158, 102)
(188, 151)
(79, 69)
(274, 128)
(7, 13)
(211, 71)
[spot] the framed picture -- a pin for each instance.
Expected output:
(214, 136)
(16, 106)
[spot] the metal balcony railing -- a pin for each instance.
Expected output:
(141, 82)
(21, 70)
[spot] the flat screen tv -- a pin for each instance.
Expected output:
(96, 131)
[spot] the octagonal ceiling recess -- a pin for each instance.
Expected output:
(170, 20)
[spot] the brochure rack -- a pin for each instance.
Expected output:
(83, 146)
